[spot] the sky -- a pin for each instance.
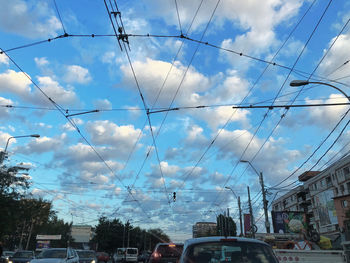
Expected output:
(126, 121)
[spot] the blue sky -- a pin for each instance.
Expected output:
(109, 163)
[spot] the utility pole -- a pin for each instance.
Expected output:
(240, 215)
(267, 223)
(251, 215)
(228, 222)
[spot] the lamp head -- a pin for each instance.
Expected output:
(35, 135)
(298, 83)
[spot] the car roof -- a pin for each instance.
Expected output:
(199, 240)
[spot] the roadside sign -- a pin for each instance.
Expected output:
(48, 237)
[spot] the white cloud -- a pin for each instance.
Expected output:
(32, 19)
(40, 62)
(106, 132)
(55, 91)
(68, 126)
(102, 104)
(15, 82)
(4, 59)
(196, 89)
(20, 85)
(326, 116)
(4, 112)
(77, 74)
(334, 61)
(43, 144)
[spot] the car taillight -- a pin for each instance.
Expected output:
(156, 255)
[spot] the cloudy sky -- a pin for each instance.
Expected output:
(123, 125)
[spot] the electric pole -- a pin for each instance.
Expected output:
(267, 223)
(240, 215)
(252, 229)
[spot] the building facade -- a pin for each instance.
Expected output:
(324, 197)
(203, 229)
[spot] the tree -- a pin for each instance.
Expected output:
(13, 187)
(225, 226)
(112, 234)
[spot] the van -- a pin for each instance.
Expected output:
(126, 254)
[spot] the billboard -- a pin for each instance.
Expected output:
(42, 244)
(247, 223)
(325, 208)
(288, 222)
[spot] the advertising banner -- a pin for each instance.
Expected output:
(247, 223)
(288, 222)
(42, 244)
(325, 208)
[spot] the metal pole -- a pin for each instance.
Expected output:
(251, 215)
(240, 215)
(265, 202)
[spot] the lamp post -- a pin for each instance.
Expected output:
(239, 208)
(3, 154)
(265, 202)
(298, 83)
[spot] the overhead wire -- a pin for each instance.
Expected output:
(256, 81)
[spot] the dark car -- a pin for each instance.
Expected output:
(87, 256)
(227, 249)
(144, 256)
(102, 257)
(166, 253)
(22, 256)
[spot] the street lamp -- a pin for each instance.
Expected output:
(239, 208)
(244, 161)
(298, 83)
(14, 137)
(265, 202)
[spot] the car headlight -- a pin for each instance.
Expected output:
(10, 261)
(93, 261)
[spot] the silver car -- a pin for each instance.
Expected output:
(226, 249)
(57, 255)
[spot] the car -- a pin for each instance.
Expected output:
(57, 255)
(6, 255)
(87, 256)
(126, 254)
(102, 257)
(166, 253)
(144, 256)
(227, 249)
(22, 256)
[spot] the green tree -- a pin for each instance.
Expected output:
(13, 187)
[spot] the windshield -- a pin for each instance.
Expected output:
(131, 251)
(53, 253)
(23, 254)
(234, 252)
(86, 254)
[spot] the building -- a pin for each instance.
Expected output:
(203, 229)
(324, 197)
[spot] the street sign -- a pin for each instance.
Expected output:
(48, 237)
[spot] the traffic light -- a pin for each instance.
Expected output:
(174, 196)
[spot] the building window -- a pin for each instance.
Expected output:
(348, 186)
(328, 181)
(342, 189)
(344, 203)
(323, 183)
(315, 186)
(346, 171)
(333, 178)
(336, 191)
